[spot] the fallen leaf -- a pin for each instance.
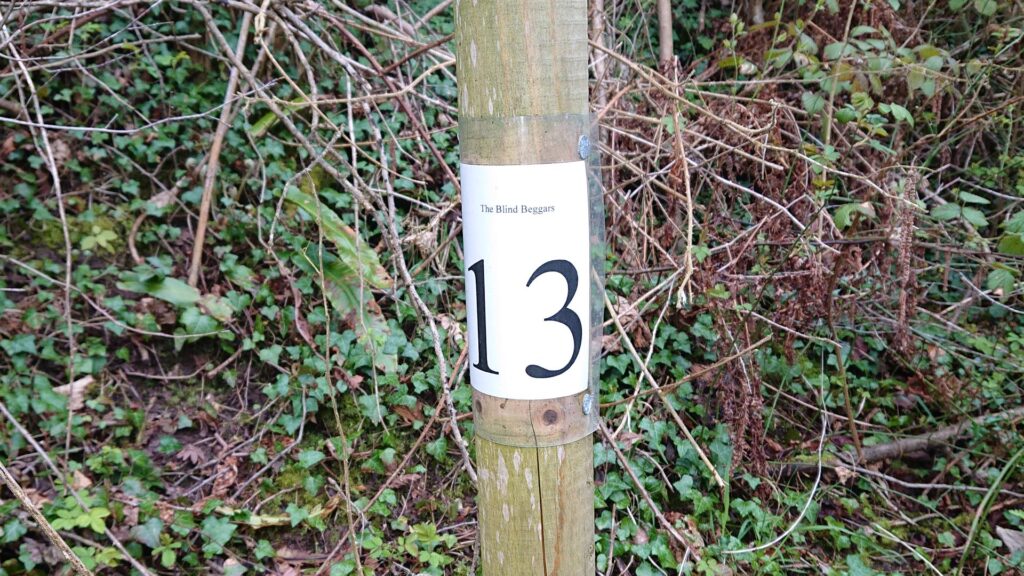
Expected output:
(75, 392)
(191, 453)
(8, 146)
(1014, 539)
(403, 480)
(355, 382)
(290, 554)
(453, 327)
(844, 474)
(131, 516)
(167, 513)
(227, 472)
(284, 569)
(80, 481)
(36, 497)
(33, 550)
(628, 438)
(163, 199)
(232, 566)
(60, 150)
(410, 416)
(610, 343)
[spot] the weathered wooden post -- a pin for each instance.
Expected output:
(524, 129)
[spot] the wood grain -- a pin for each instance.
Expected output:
(523, 99)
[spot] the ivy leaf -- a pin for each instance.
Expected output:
(297, 514)
(370, 407)
(216, 306)
(12, 531)
(438, 448)
(310, 458)
(956, 5)
(857, 567)
(343, 568)
(272, 355)
(291, 422)
(264, 550)
(239, 274)
(669, 122)
(149, 532)
(196, 324)
(217, 532)
(986, 7)
(20, 344)
(30, 556)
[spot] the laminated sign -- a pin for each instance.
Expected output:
(527, 250)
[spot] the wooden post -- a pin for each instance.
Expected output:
(523, 101)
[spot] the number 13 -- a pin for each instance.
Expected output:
(563, 316)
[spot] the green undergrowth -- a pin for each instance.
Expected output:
(258, 422)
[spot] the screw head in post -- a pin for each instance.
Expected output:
(583, 147)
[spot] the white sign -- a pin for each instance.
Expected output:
(526, 239)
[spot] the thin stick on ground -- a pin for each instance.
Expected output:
(74, 493)
(643, 492)
(51, 164)
(48, 531)
(214, 162)
(457, 373)
(661, 394)
(933, 439)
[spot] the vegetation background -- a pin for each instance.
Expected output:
(230, 282)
